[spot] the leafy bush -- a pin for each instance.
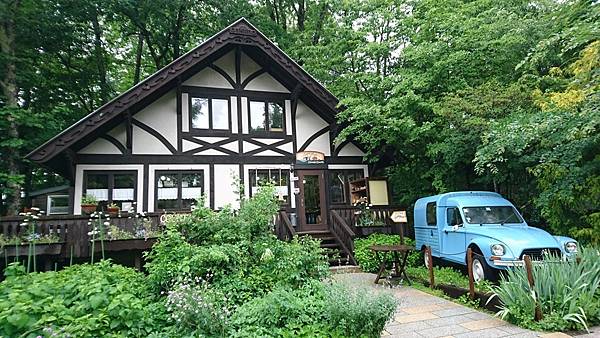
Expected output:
(100, 300)
(316, 310)
(568, 293)
(357, 312)
(366, 257)
(197, 309)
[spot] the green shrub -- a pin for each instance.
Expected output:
(366, 257)
(100, 300)
(358, 312)
(197, 309)
(446, 275)
(317, 309)
(568, 293)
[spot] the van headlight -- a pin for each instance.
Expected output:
(498, 250)
(571, 247)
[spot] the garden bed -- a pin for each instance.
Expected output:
(125, 244)
(40, 249)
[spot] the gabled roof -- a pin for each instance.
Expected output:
(240, 32)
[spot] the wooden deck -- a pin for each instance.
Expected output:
(74, 243)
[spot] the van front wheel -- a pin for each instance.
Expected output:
(481, 270)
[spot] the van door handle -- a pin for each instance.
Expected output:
(431, 233)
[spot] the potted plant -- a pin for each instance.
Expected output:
(88, 204)
(113, 209)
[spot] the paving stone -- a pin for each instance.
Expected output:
(449, 321)
(512, 329)
(396, 328)
(555, 335)
(406, 335)
(443, 331)
(528, 334)
(479, 315)
(385, 333)
(415, 317)
(453, 311)
(485, 333)
(421, 309)
(483, 324)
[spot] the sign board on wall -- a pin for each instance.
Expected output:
(310, 157)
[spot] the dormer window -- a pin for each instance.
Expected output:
(266, 116)
(209, 113)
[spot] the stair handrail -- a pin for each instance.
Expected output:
(285, 229)
(344, 234)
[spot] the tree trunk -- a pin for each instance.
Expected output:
(138, 59)
(11, 93)
(301, 15)
(100, 59)
(320, 23)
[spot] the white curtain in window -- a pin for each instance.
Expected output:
(99, 194)
(279, 190)
(123, 194)
(167, 193)
(191, 193)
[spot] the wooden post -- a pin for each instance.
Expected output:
(470, 272)
(430, 262)
(529, 269)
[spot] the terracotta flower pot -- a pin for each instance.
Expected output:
(112, 211)
(88, 208)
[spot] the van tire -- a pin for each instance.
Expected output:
(482, 270)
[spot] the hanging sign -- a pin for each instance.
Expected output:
(399, 216)
(310, 157)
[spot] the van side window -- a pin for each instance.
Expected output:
(453, 217)
(431, 214)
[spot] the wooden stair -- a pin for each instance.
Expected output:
(333, 249)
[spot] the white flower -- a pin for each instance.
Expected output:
(35, 209)
(106, 223)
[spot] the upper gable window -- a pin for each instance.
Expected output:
(266, 116)
(210, 113)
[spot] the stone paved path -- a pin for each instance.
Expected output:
(420, 314)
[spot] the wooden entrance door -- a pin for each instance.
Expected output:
(311, 205)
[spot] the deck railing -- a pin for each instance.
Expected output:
(381, 214)
(344, 234)
(71, 230)
(283, 226)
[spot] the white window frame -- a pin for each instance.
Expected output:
(49, 204)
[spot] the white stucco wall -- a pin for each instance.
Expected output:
(248, 66)
(161, 115)
(208, 77)
(119, 133)
(266, 83)
(80, 168)
(321, 143)
(165, 167)
(101, 147)
(226, 177)
(146, 144)
(227, 63)
(351, 150)
(307, 123)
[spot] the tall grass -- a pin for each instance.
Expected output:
(568, 293)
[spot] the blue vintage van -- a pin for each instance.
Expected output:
(488, 224)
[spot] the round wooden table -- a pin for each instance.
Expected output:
(398, 267)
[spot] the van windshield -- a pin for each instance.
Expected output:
(491, 215)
